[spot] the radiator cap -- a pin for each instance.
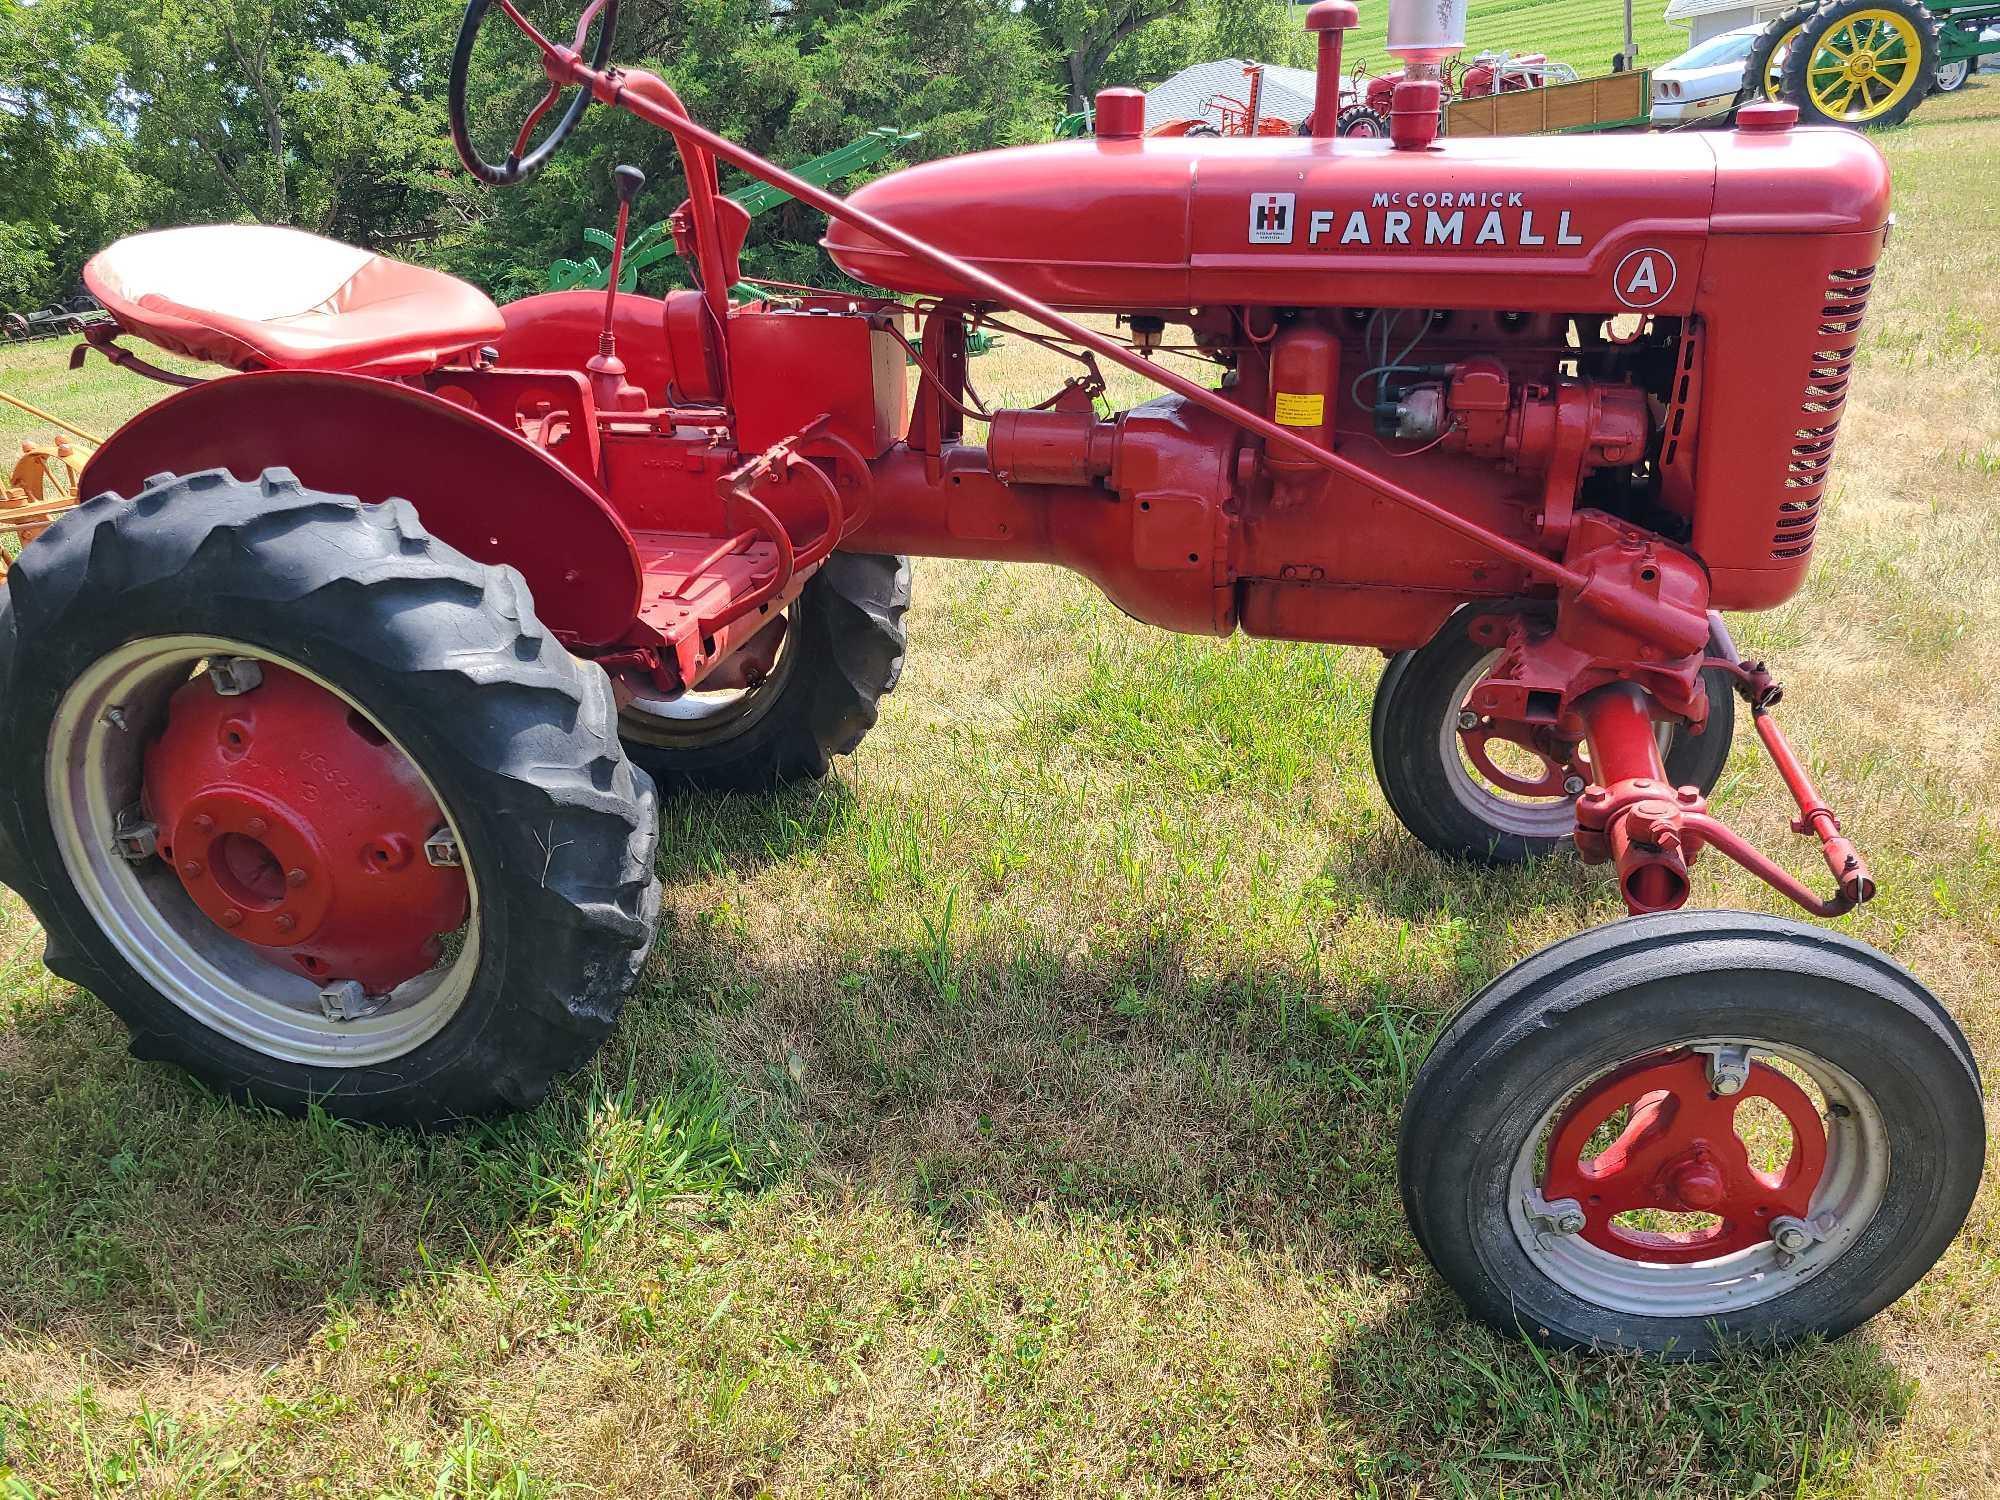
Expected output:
(1767, 116)
(1121, 114)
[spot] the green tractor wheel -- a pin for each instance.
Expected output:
(1862, 62)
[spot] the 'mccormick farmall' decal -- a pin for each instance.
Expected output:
(1437, 220)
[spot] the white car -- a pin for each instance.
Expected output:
(1702, 82)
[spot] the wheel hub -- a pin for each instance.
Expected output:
(293, 824)
(1680, 1151)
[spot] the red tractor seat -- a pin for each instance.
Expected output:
(255, 296)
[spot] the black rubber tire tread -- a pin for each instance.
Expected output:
(850, 642)
(1827, 16)
(1775, 31)
(518, 736)
(1627, 988)
(1360, 114)
(1410, 702)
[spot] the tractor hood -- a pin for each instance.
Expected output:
(1524, 223)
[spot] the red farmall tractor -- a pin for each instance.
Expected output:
(334, 719)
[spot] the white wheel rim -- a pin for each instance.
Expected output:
(93, 771)
(1503, 811)
(703, 718)
(1849, 1193)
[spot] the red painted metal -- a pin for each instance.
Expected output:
(294, 825)
(490, 494)
(1680, 1152)
(1328, 19)
(1121, 115)
(1413, 113)
(1640, 817)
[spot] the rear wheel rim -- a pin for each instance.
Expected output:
(1864, 65)
(1774, 66)
(96, 740)
(1851, 1185)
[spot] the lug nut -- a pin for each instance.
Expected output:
(231, 917)
(203, 823)
(256, 828)
(191, 868)
(295, 878)
(285, 921)
(1573, 785)
(1790, 1236)
(1570, 1221)
(1468, 720)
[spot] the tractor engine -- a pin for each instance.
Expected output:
(1547, 336)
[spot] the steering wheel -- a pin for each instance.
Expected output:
(519, 168)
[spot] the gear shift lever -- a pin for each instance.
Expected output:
(607, 371)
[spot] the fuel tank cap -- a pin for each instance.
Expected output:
(1767, 116)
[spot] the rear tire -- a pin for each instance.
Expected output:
(1363, 123)
(445, 660)
(1447, 805)
(1902, 1122)
(1908, 66)
(1763, 69)
(843, 654)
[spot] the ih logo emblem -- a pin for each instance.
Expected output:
(1271, 216)
(1644, 278)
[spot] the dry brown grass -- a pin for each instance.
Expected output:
(1039, 1078)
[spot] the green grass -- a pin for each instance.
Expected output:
(1582, 33)
(1014, 1114)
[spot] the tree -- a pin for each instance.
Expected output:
(1086, 33)
(64, 185)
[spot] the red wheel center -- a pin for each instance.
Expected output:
(1681, 1151)
(247, 871)
(294, 824)
(1527, 740)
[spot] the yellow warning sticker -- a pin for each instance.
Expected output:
(1296, 409)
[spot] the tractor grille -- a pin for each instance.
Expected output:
(1820, 405)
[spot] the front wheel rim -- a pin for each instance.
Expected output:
(1540, 818)
(699, 719)
(1852, 1183)
(95, 744)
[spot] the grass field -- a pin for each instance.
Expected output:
(1014, 1114)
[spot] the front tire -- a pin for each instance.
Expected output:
(1666, 1027)
(1444, 799)
(355, 736)
(842, 654)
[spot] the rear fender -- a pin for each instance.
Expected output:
(479, 487)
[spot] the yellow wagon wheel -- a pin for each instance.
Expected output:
(1862, 62)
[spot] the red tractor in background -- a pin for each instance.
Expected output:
(335, 718)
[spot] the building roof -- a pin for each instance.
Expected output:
(1288, 92)
(1682, 10)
